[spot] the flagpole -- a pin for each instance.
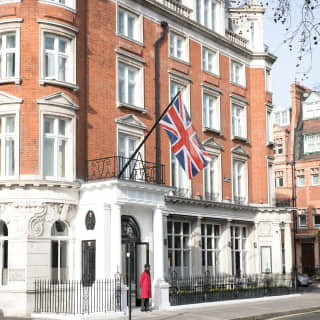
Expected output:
(147, 136)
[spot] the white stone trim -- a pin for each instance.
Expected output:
(60, 5)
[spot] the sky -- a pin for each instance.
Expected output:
(284, 71)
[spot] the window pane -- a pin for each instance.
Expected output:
(49, 43)
(62, 127)
(10, 124)
(177, 258)
(48, 157)
(177, 227)
(216, 230)
(209, 243)
(11, 41)
(185, 228)
(177, 242)
(62, 68)
(130, 26)
(209, 230)
(10, 65)
(48, 125)
(49, 65)
(10, 157)
(62, 158)
(131, 86)
(121, 22)
(62, 45)
(169, 227)
(121, 83)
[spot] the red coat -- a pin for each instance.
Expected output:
(145, 285)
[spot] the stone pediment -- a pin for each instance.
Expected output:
(6, 98)
(211, 143)
(240, 151)
(59, 99)
(131, 121)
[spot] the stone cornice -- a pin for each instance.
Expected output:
(38, 184)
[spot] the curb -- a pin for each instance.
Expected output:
(278, 314)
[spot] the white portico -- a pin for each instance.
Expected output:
(129, 218)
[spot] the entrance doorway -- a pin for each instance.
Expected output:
(307, 258)
(139, 256)
(88, 261)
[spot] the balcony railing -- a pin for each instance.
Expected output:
(284, 202)
(235, 38)
(138, 170)
(178, 7)
(212, 196)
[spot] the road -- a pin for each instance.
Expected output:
(313, 315)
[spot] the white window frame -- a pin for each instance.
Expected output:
(182, 249)
(301, 174)
(303, 226)
(138, 66)
(201, 18)
(243, 120)
(12, 26)
(240, 238)
(242, 73)
(216, 110)
(269, 125)
(71, 4)
(314, 221)
(215, 248)
(11, 110)
(311, 147)
(184, 47)
(185, 91)
(214, 154)
(268, 80)
(315, 172)
(58, 112)
(205, 51)
(63, 31)
(245, 193)
(138, 24)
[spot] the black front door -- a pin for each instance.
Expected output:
(307, 258)
(88, 261)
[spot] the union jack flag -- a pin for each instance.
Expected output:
(185, 143)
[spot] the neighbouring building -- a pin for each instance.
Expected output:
(77, 95)
(297, 148)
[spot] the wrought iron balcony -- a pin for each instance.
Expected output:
(212, 196)
(138, 170)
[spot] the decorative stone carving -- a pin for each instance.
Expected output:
(35, 226)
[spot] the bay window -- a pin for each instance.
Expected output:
(8, 146)
(57, 153)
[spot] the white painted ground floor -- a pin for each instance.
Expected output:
(85, 232)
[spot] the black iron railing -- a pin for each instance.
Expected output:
(138, 170)
(212, 196)
(198, 289)
(78, 297)
(239, 200)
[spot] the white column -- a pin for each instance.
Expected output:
(227, 248)
(288, 247)
(160, 298)
(196, 247)
(158, 240)
(115, 239)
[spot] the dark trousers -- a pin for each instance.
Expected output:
(144, 304)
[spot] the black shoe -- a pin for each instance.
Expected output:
(143, 310)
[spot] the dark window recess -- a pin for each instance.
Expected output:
(88, 262)
(90, 220)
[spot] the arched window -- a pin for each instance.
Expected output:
(59, 251)
(3, 253)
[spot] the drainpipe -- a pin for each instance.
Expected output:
(164, 26)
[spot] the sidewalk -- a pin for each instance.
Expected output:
(251, 309)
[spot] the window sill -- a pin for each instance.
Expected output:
(123, 36)
(10, 80)
(131, 107)
(187, 63)
(246, 140)
(238, 85)
(303, 227)
(69, 85)
(212, 74)
(207, 129)
(58, 5)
